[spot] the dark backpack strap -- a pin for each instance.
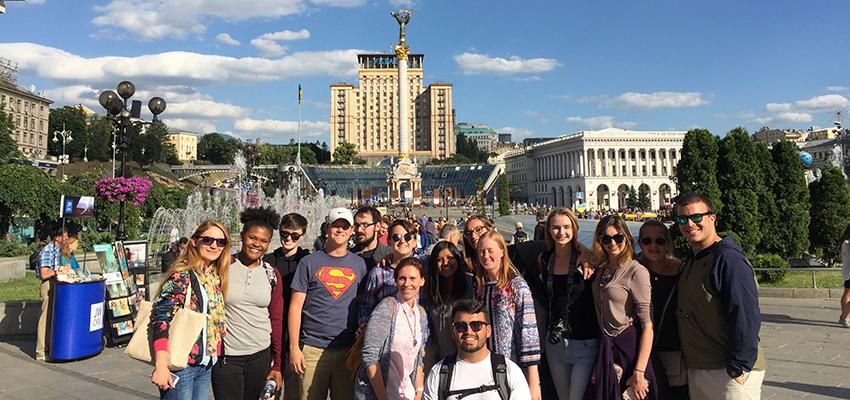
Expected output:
(446, 371)
(500, 375)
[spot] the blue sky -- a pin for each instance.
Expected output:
(532, 68)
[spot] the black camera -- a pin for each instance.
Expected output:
(560, 330)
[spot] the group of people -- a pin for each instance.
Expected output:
(470, 317)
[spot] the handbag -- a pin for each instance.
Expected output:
(183, 332)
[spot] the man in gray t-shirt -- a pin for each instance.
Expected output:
(323, 313)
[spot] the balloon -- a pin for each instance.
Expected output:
(806, 158)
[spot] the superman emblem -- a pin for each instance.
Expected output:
(336, 279)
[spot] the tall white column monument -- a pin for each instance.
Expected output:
(404, 179)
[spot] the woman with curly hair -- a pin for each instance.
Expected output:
(254, 306)
(448, 279)
(202, 268)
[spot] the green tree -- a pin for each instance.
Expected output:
(740, 182)
(696, 171)
(504, 196)
(285, 154)
(152, 146)
(769, 215)
(217, 149)
(72, 119)
(345, 153)
(98, 139)
(8, 146)
(792, 200)
(644, 202)
(469, 148)
(38, 198)
(632, 201)
(829, 214)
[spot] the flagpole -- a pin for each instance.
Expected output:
(298, 156)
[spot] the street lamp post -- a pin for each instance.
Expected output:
(66, 138)
(116, 105)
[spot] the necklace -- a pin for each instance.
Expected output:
(411, 326)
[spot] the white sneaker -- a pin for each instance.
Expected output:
(845, 323)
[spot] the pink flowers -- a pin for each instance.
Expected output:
(133, 189)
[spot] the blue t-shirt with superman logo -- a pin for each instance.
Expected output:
(329, 315)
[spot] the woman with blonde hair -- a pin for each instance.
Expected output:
(508, 301)
(473, 229)
(571, 338)
(203, 268)
(656, 254)
(622, 294)
(68, 259)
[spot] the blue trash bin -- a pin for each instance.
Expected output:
(77, 328)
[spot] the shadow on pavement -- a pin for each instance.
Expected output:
(831, 391)
(785, 319)
(25, 343)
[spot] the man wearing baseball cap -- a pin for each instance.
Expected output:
(323, 312)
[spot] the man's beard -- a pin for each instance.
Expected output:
(367, 241)
(473, 347)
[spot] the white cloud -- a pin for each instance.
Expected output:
(403, 3)
(268, 45)
(192, 125)
(601, 122)
(660, 100)
(532, 78)
(180, 18)
(827, 102)
(537, 116)
(174, 67)
(227, 39)
(75, 94)
(107, 34)
(795, 117)
(838, 88)
(272, 128)
(801, 111)
(475, 63)
(516, 133)
(206, 109)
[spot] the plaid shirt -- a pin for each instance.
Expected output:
(49, 257)
(379, 284)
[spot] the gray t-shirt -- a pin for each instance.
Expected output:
(249, 326)
(329, 316)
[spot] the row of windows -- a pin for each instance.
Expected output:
(25, 107)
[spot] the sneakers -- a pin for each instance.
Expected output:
(845, 323)
(40, 357)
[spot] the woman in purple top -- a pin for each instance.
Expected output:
(621, 292)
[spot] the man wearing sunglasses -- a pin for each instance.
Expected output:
(474, 373)
(718, 311)
(367, 222)
(323, 313)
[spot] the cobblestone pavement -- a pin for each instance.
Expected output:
(808, 358)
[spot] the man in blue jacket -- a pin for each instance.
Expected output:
(718, 311)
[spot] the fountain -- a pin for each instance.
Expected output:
(224, 205)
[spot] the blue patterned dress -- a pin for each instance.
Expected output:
(513, 321)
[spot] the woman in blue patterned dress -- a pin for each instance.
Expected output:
(507, 298)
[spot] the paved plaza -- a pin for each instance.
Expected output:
(808, 358)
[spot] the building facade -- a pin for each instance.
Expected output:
(29, 113)
(595, 169)
(484, 136)
(367, 115)
(186, 144)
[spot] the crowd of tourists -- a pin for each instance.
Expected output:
(377, 312)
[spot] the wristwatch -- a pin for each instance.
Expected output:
(734, 372)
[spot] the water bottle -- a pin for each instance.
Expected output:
(268, 390)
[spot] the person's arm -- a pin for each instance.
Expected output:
(641, 292)
(171, 298)
(296, 357)
(46, 262)
(377, 332)
(733, 279)
(533, 382)
(432, 382)
(419, 382)
(276, 318)
(369, 297)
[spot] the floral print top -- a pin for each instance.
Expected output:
(172, 297)
(512, 320)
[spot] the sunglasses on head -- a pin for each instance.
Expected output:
(208, 241)
(286, 235)
(646, 241)
(397, 237)
(696, 218)
(608, 239)
(461, 326)
(477, 231)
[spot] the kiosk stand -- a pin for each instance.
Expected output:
(77, 320)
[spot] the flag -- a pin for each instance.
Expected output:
(300, 94)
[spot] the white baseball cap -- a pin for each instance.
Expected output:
(340, 213)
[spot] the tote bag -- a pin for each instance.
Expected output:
(183, 332)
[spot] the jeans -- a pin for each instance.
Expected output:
(194, 384)
(241, 377)
(570, 364)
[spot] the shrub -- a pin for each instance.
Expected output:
(92, 238)
(14, 249)
(778, 265)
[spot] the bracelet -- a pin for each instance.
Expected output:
(420, 389)
(641, 371)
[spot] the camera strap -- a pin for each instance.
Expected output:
(550, 278)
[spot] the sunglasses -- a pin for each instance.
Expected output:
(364, 226)
(208, 241)
(696, 218)
(608, 239)
(460, 326)
(286, 235)
(397, 237)
(646, 241)
(477, 231)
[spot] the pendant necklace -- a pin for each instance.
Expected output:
(412, 327)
